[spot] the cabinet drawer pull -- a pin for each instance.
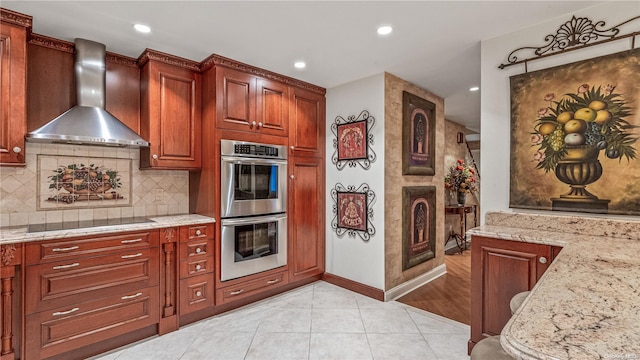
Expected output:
(130, 256)
(272, 281)
(198, 293)
(198, 232)
(65, 266)
(236, 292)
(130, 241)
(198, 250)
(58, 313)
(127, 297)
(66, 249)
(198, 267)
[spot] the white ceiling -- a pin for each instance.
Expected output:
(434, 44)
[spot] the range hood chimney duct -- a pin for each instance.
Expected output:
(88, 122)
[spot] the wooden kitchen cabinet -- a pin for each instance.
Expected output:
(250, 103)
(306, 250)
(499, 270)
(196, 268)
(170, 112)
(306, 123)
(82, 291)
(13, 86)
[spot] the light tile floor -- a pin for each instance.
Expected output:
(316, 321)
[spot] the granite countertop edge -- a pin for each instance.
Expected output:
(19, 234)
(575, 285)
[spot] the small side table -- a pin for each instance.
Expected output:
(462, 211)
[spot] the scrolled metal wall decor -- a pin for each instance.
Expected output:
(577, 33)
(352, 212)
(352, 141)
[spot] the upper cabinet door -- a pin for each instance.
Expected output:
(235, 100)
(13, 93)
(306, 123)
(170, 117)
(272, 104)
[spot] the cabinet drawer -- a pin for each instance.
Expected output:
(196, 293)
(48, 251)
(66, 328)
(193, 248)
(196, 266)
(62, 283)
(197, 232)
(251, 287)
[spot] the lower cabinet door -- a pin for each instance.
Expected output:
(196, 293)
(60, 330)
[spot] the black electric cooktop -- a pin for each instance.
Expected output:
(68, 225)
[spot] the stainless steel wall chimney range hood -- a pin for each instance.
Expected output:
(88, 122)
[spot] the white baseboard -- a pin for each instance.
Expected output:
(415, 283)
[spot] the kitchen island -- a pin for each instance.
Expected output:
(586, 305)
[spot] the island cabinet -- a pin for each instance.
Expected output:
(170, 111)
(248, 102)
(11, 300)
(13, 86)
(499, 270)
(89, 294)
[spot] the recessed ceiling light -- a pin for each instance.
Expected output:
(474, 88)
(300, 64)
(385, 30)
(142, 28)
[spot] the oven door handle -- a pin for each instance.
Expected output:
(253, 220)
(252, 161)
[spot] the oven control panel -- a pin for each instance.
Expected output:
(249, 149)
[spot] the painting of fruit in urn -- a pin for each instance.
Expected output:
(574, 138)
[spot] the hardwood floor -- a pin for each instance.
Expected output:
(448, 295)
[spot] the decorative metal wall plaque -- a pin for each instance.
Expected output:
(353, 140)
(352, 212)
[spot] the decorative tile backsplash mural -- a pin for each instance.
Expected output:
(75, 182)
(26, 195)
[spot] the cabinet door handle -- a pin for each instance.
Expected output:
(198, 232)
(543, 260)
(127, 297)
(260, 124)
(130, 256)
(236, 292)
(155, 156)
(59, 267)
(253, 123)
(130, 241)
(65, 249)
(58, 313)
(272, 281)
(292, 147)
(291, 176)
(17, 149)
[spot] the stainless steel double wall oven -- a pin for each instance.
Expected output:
(253, 203)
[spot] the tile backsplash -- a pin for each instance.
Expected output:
(150, 192)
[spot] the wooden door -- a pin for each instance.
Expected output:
(499, 270)
(306, 217)
(272, 108)
(171, 112)
(235, 100)
(13, 94)
(306, 123)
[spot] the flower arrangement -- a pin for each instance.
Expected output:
(593, 118)
(461, 178)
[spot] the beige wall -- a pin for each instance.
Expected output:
(394, 181)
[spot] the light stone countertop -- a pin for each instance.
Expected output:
(587, 303)
(20, 234)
